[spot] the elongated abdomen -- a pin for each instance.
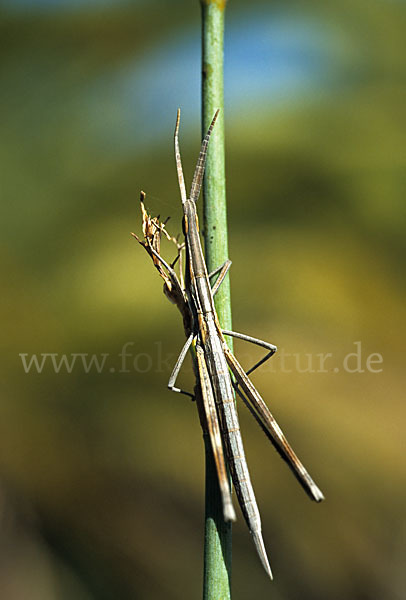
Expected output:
(224, 396)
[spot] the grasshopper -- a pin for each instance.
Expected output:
(219, 373)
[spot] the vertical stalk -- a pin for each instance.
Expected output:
(217, 551)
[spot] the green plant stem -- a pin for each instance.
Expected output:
(217, 551)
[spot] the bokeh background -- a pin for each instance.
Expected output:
(101, 489)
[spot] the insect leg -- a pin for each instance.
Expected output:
(270, 426)
(178, 366)
(213, 428)
(247, 338)
(223, 270)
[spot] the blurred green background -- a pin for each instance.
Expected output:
(101, 483)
